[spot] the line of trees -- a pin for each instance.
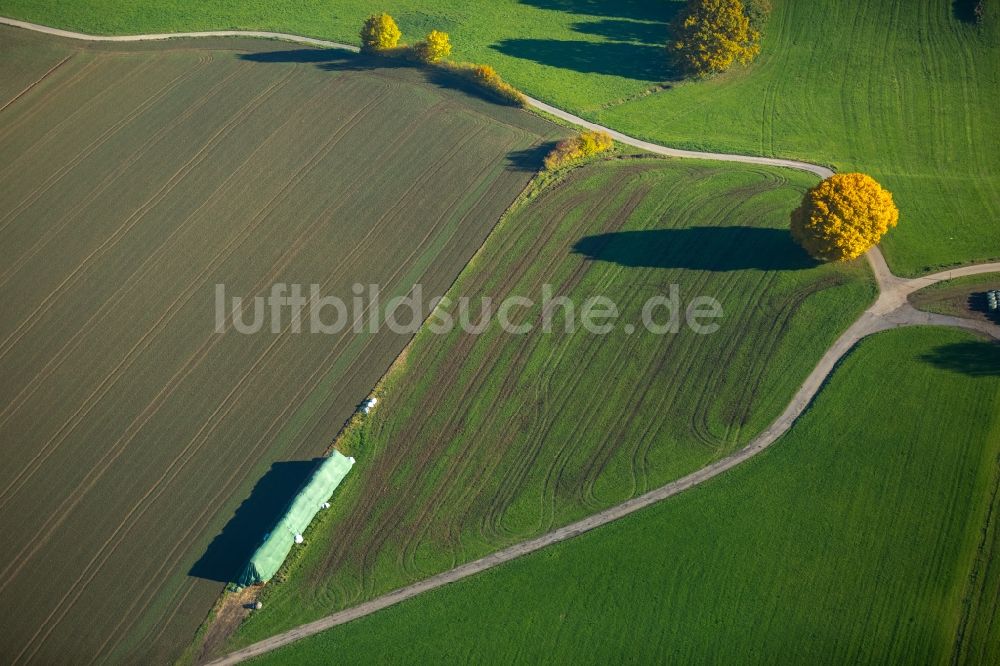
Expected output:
(381, 34)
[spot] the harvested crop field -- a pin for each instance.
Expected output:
(134, 179)
(481, 441)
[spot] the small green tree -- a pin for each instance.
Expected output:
(711, 35)
(379, 33)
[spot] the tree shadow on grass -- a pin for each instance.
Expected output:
(621, 30)
(965, 10)
(256, 516)
(625, 59)
(640, 10)
(699, 248)
(636, 32)
(976, 359)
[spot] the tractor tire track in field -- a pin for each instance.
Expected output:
(144, 270)
(603, 455)
(203, 153)
(446, 378)
(411, 540)
(451, 153)
(183, 458)
(889, 311)
(516, 474)
(391, 467)
(221, 255)
(77, 79)
(90, 148)
(462, 460)
(479, 506)
(127, 360)
(457, 458)
(516, 477)
(34, 83)
(225, 486)
(562, 458)
(124, 166)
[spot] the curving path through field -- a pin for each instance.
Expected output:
(890, 310)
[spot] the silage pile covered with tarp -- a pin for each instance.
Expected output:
(267, 559)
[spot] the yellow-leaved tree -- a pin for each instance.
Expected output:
(379, 33)
(844, 216)
(710, 35)
(436, 46)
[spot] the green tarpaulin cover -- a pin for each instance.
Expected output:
(269, 556)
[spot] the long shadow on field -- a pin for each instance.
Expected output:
(304, 55)
(626, 59)
(977, 359)
(698, 248)
(256, 516)
(329, 59)
(618, 30)
(968, 11)
(333, 60)
(639, 10)
(635, 33)
(530, 159)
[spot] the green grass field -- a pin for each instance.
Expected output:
(135, 179)
(867, 535)
(484, 440)
(903, 91)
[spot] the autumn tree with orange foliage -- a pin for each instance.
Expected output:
(710, 35)
(844, 216)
